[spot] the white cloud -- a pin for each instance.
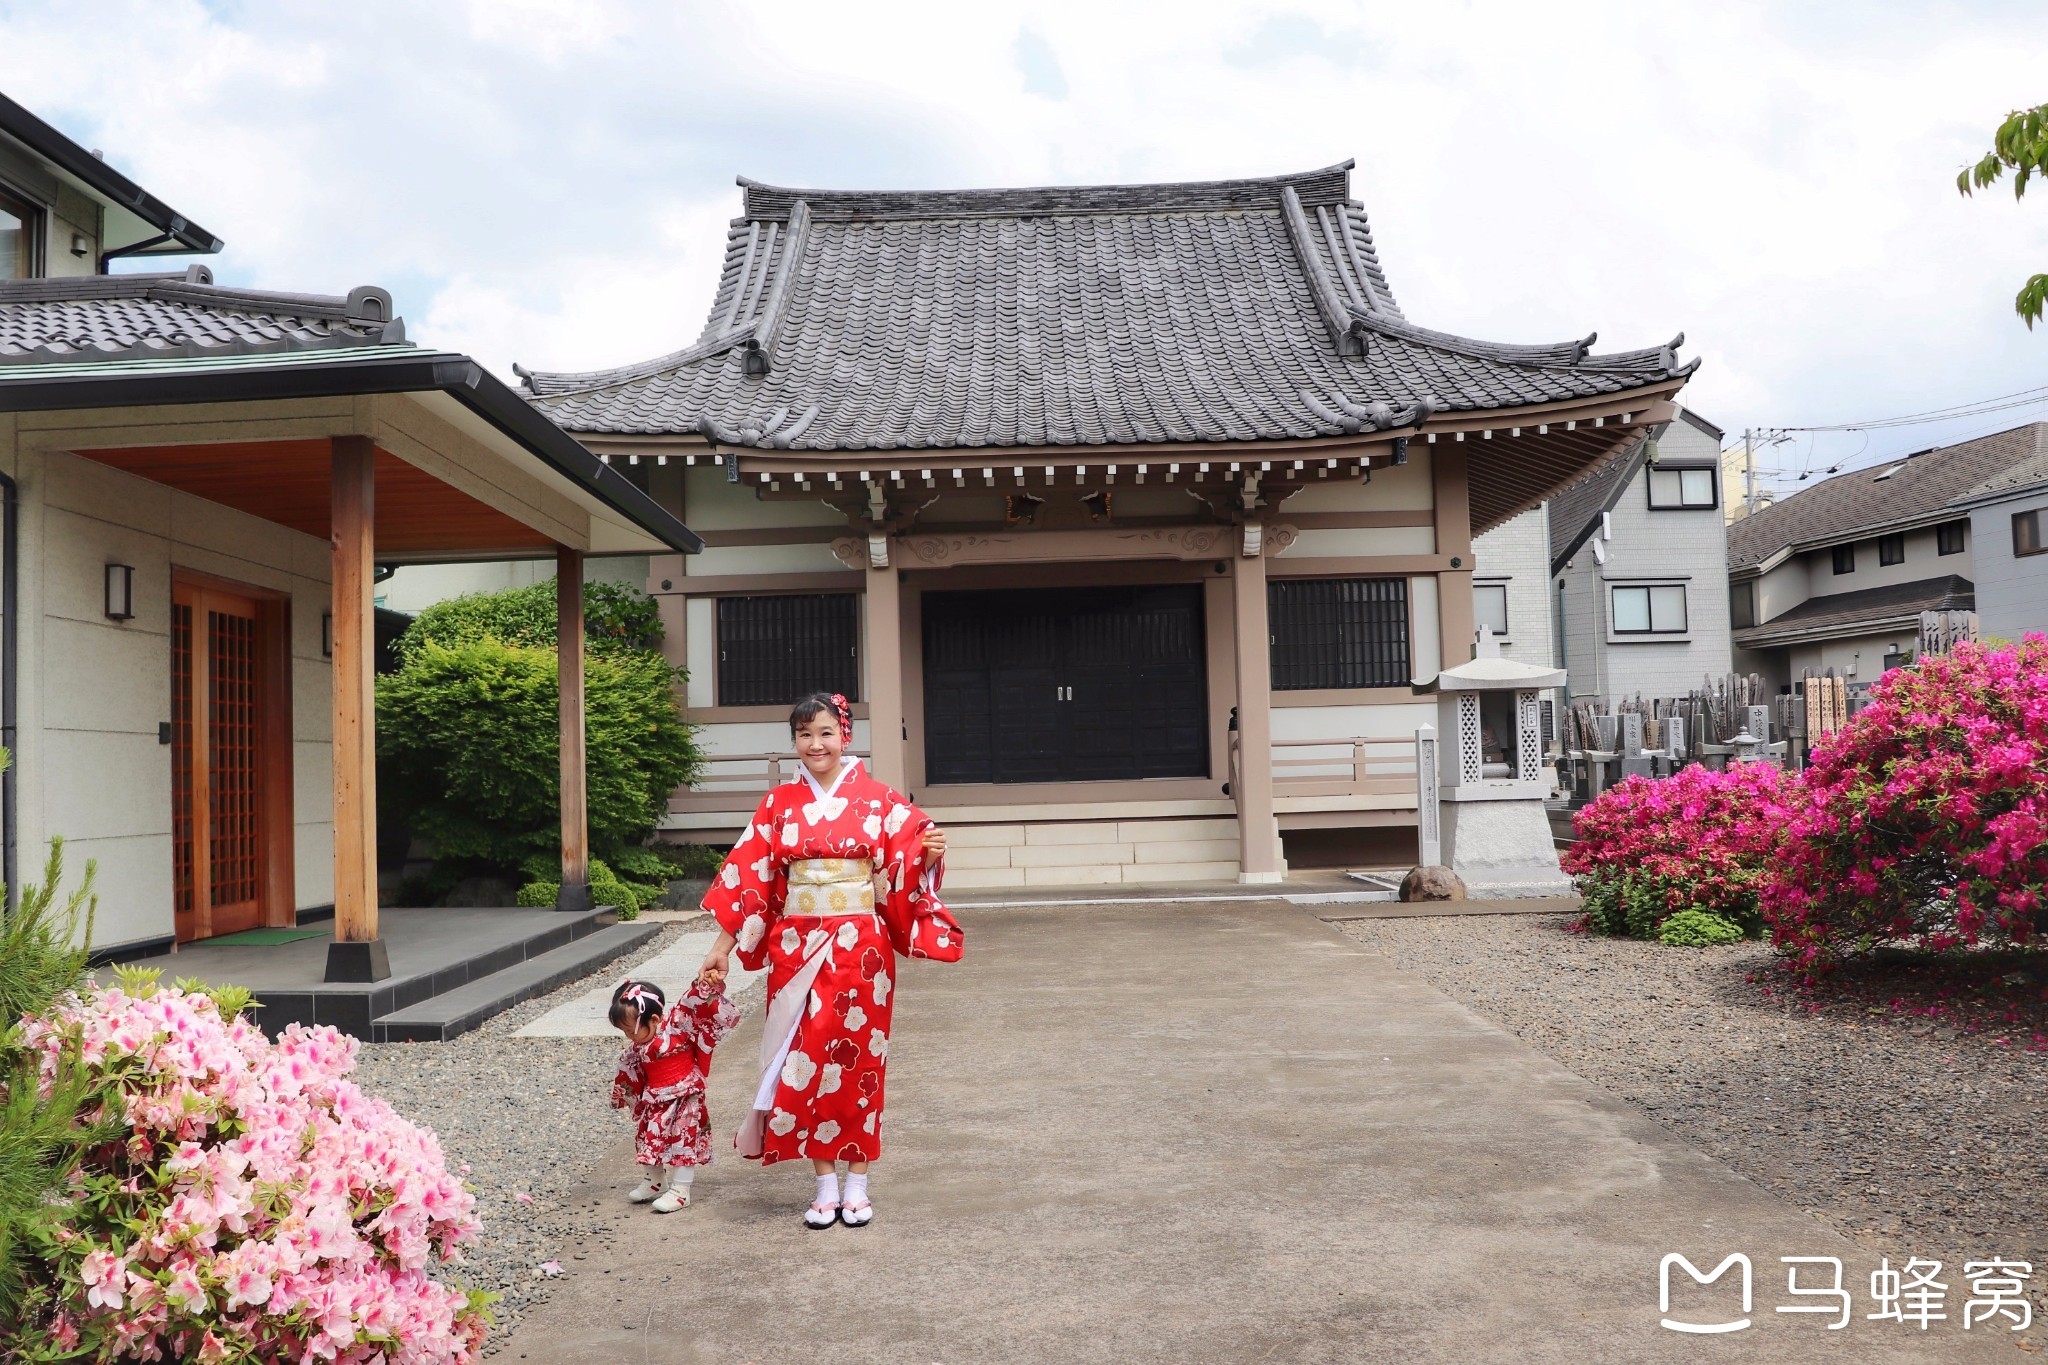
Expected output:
(548, 180)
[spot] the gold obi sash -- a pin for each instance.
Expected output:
(831, 886)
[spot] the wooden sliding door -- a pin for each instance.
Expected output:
(231, 812)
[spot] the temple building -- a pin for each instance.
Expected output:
(1131, 516)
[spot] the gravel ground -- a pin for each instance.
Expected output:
(1906, 1136)
(530, 1117)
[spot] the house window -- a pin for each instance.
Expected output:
(2026, 533)
(1948, 537)
(1490, 608)
(1339, 632)
(1845, 559)
(1672, 489)
(18, 224)
(773, 650)
(1891, 549)
(1742, 604)
(1654, 610)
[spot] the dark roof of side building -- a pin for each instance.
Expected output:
(131, 210)
(157, 316)
(1915, 489)
(1233, 310)
(1852, 613)
(1575, 510)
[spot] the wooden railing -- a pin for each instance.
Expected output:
(1347, 766)
(737, 782)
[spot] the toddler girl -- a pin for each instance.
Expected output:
(661, 1078)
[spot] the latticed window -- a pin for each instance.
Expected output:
(773, 650)
(1339, 632)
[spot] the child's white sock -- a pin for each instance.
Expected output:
(828, 1188)
(856, 1187)
(679, 1177)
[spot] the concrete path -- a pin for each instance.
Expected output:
(673, 970)
(1212, 1133)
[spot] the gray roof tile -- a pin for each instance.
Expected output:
(1843, 613)
(1865, 501)
(1213, 311)
(155, 316)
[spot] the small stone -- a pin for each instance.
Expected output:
(1432, 884)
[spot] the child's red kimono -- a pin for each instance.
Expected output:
(826, 886)
(662, 1081)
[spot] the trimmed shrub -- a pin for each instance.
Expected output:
(1698, 929)
(1926, 817)
(662, 862)
(468, 751)
(615, 617)
(257, 1206)
(605, 889)
(1648, 848)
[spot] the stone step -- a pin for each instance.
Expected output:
(453, 1013)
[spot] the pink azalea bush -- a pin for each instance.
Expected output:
(1926, 818)
(255, 1205)
(1647, 848)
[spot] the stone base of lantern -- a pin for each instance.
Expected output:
(1504, 850)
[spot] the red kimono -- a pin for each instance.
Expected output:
(662, 1081)
(825, 887)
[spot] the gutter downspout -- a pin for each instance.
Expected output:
(10, 615)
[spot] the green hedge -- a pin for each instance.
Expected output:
(468, 748)
(615, 617)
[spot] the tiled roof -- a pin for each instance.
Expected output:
(1843, 613)
(130, 317)
(1865, 502)
(1233, 310)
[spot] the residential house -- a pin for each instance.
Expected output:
(1837, 575)
(196, 485)
(1638, 556)
(1130, 515)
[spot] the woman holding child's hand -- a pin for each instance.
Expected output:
(834, 877)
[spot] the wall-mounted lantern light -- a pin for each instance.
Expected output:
(120, 592)
(326, 634)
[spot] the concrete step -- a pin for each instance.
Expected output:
(1092, 853)
(456, 1012)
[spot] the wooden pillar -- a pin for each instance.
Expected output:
(885, 646)
(1452, 494)
(575, 893)
(1258, 858)
(357, 953)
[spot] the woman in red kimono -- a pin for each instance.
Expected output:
(836, 875)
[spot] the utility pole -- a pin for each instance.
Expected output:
(1749, 471)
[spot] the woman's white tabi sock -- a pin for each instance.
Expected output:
(824, 1210)
(828, 1189)
(856, 1188)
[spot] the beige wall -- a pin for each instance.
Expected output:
(93, 691)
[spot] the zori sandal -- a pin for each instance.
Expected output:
(818, 1217)
(856, 1215)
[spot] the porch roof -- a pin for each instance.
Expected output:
(196, 371)
(1220, 311)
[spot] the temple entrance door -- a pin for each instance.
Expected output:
(230, 760)
(1065, 685)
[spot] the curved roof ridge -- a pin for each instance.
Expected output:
(1555, 355)
(558, 383)
(1326, 185)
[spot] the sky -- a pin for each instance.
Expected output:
(549, 181)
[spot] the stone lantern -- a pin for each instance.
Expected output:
(1493, 830)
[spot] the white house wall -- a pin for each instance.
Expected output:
(1517, 552)
(2012, 592)
(1664, 546)
(93, 692)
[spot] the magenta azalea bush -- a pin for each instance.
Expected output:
(1648, 848)
(1926, 818)
(254, 1205)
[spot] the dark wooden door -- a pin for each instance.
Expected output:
(1065, 685)
(224, 760)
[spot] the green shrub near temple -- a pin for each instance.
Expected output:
(468, 730)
